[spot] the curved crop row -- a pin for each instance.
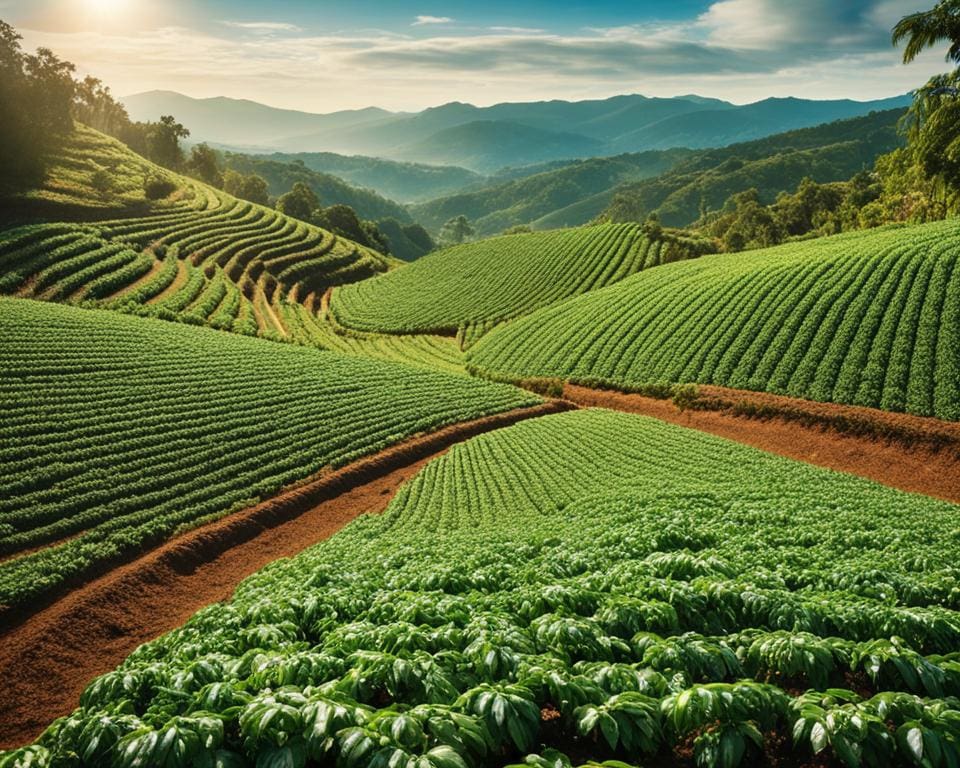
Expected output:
(117, 431)
(603, 584)
(870, 318)
(501, 278)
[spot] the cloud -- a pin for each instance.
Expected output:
(425, 20)
(262, 27)
(842, 52)
(517, 30)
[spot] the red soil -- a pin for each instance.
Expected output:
(47, 660)
(924, 457)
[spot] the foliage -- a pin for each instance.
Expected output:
(508, 276)
(456, 231)
(865, 318)
(703, 183)
(207, 423)
(508, 629)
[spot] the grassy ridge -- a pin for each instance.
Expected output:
(470, 287)
(118, 430)
(867, 319)
(198, 256)
(675, 601)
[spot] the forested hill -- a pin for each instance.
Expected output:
(674, 183)
(331, 190)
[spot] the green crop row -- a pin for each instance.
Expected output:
(117, 431)
(867, 319)
(593, 583)
(478, 284)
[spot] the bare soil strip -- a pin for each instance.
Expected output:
(861, 441)
(47, 661)
(175, 286)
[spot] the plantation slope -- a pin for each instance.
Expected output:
(867, 318)
(637, 611)
(197, 256)
(470, 287)
(119, 431)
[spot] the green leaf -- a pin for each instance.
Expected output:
(610, 730)
(818, 738)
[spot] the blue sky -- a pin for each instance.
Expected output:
(321, 55)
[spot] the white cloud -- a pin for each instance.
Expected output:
(715, 55)
(518, 30)
(425, 20)
(267, 27)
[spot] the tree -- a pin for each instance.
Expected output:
(928, 28)
(300, 202)
(203, 165)
(457, 230)
(246, 186)
(163, 142)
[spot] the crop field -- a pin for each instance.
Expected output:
(469, 288)
(596, 584)
(200, 256)
(869, 318)
(118, 431)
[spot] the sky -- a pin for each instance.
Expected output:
(324, 55)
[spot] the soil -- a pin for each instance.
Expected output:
(929, 465)
(175, 286)
(49, 657)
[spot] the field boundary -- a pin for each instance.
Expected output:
(873, 444)
(49, 657)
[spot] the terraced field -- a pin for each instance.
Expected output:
(602, 584)
(869, 318)
(470, 288)
(119, 431)
(199, 256)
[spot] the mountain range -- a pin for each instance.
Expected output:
(485, 139)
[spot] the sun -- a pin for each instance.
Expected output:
(103, 7)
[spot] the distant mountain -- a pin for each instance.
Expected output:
(486, 145)
(483, 139)
(241, 122)
(675, 183)
(405, 182)
(731, 125)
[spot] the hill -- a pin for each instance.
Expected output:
(534, 197)
(194, 255)
(630, 123)
(281, 176)
(590, 579)
(405, 182)
(240, 121)
(720, 127)
(703, 182)
(167, 426)
(469, 288)
(486, 145)
(867, 318)
(676, 184)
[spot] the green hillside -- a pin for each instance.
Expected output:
(281, 176)
(867, 318)
(503, 204)
(825, 153)
(406, 182)
(604, 585)
(469, 288)
(194, 255)
(166, 426)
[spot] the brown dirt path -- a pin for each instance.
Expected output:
(810, 432)
(47, 661)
